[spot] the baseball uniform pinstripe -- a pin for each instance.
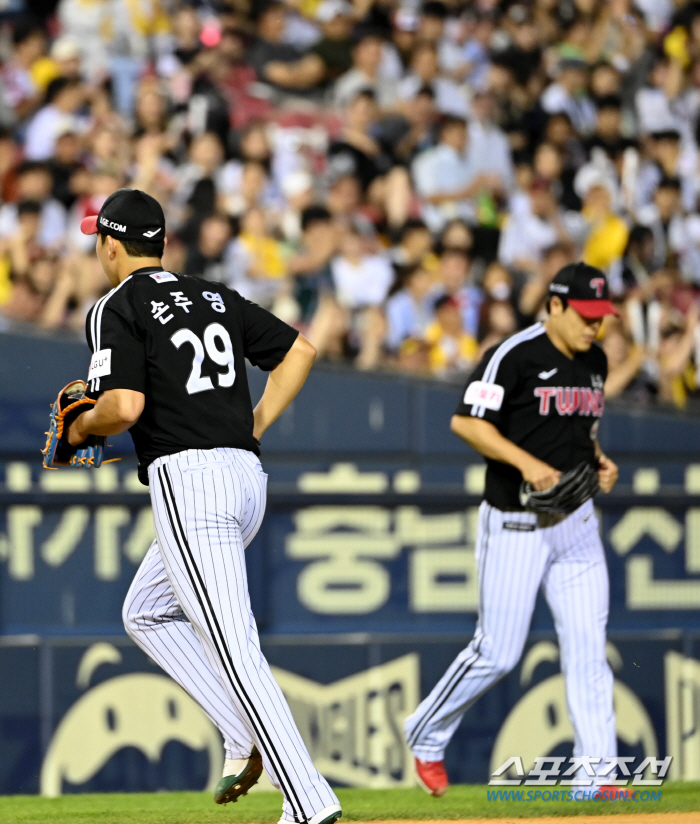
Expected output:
(549, 405)
(208, 506)
(567, 561)
(183, 343)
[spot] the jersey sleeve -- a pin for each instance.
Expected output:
(118, 352)
(488, 388)
(266, 339)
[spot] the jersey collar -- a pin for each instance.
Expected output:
(148, 270)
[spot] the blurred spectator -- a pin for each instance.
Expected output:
(606, 233)
(367, 55)
(625, 359)
(677, 372)
(65, 166)
(673, 233)
(311, 265)
(498, 322)
(34, 183)
(635, 267)
(18, 88)
(334, 50)
(449, 97)
(64, 97)
(532, 228)
(452, 349)
(446, 181)
(420, 121)
(206, 253)
(276, 62)
(415, 246)
(569, 95)
(454, 280)
(361, 279)
(348, 164)
(534, 291)
(488, 150)
(476, 51)
(410, 309)
(366, 157)
(257, 267)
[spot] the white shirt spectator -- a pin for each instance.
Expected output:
(488, 151)
(556, 99)
(354, 81)
(654, 112)
(450, 97)
(52, 223)
(442, 170)
(525, 237)
(364, 284)
(657, 13)
(474, 53)
(407, 317)
(47, 125)
(17, 84)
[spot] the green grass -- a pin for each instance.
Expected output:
(465, 801)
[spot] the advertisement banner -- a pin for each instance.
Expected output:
(96, 716)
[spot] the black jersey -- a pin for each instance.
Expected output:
(546, 403)
(183, 342)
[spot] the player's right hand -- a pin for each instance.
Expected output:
(541, 475)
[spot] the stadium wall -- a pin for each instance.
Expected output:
(362, 581)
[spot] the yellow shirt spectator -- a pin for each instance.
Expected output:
(451, 348)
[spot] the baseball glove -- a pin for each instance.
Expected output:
(574, 488)
(70, 403)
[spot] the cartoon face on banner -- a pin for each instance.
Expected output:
(539, 722)
(140, 710)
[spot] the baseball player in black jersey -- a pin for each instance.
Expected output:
(169, 365)
(532, 409)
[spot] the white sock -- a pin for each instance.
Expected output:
(234, 766)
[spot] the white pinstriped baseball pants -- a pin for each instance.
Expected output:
(207, 507)
(568, 561)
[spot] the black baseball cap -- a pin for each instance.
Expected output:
(128, 214)
(585, 289)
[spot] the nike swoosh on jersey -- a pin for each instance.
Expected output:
(545, 375)
(152, 233)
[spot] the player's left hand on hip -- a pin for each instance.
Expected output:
(607, 473)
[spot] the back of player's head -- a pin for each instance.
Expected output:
(132, 217)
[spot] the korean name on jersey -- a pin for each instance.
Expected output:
(183, 342)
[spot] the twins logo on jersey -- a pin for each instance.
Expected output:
(571, 400)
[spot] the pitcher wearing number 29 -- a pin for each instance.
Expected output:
(169, 365)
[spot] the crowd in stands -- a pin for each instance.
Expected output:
(399, 179)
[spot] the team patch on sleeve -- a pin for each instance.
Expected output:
(101, 364)
(488, 395)
(163, 277)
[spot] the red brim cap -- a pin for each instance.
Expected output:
(88, 225)
(593, 308)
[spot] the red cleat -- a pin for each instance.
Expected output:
(432, 776)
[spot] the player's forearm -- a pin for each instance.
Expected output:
(283, 385)
(115, 411)
(486, 439)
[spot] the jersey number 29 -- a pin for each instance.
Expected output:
(222, 357)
